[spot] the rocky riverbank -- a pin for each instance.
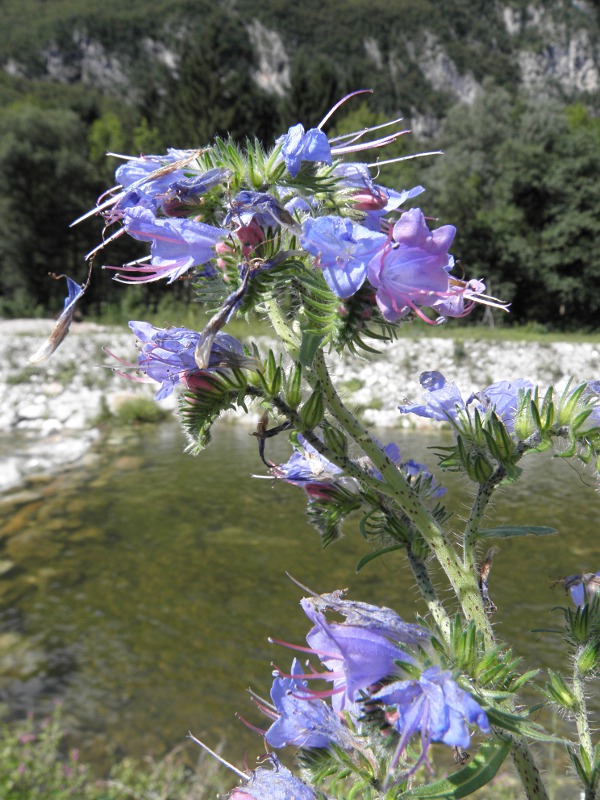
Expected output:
(49, 417)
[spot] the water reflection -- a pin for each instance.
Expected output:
(147, 588)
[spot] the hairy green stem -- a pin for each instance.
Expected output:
(533, 786)
(282, 329)
(427, 589)
(583, 724)
(484, 495)
(464, 584)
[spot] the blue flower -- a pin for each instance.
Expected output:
(312, 471)
(258, 207)
(412, 271)
(168, 355)
(583, 588)
(591, 395)
(342, 249)
(273, 784)
(434, 706)
(177, 245)
(303, 720)
(443, 400)
(182, 197)
(144, 179)
(298, 146)
(503, 398)
(361, 651)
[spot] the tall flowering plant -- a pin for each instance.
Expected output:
(303, 235)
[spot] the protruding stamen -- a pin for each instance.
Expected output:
(218, 757)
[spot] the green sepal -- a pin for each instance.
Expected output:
(507, 531)
(588, 659)
(480, 771)
(523, 679)
(336, 440)
(568, 404)
(313, 410)
(579, 766)
(293, 387)
(536, 416)
(558, 691)
(270, 377)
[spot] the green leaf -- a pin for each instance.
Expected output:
(506, 531)
(476, 774)
(371, 556)
(520, 725)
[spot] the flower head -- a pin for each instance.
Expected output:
(303, 720)
(434, 706)
(310, 470)
(168, 355)
(360, 653)
(412, 270)
(443, 400)
(503, 398)
(273, 784)
(177, 245)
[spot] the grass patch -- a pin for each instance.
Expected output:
(514, 333)
(36, 765)
(138, 410)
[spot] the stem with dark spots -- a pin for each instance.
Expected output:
(427, 589)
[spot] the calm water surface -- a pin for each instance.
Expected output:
(145, 588)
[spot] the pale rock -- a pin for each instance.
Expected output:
(273, 73)
(10, 474)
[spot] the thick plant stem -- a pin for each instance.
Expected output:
(464, 584)
(484, 493)
(583, 725)
(531, 779)
(292, 345)
(427, 589)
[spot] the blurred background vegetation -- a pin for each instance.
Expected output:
(510, 91)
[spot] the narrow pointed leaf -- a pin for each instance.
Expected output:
(482, 768)
(507, 531)
(371, 556)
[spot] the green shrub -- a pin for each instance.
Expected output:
(34, 765)
(140, 409)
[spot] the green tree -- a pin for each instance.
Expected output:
(214, 92)
(47, 183)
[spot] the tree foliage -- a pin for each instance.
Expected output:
(519, 178)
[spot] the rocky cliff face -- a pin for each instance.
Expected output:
(554, 47)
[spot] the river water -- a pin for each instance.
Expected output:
(141, 590)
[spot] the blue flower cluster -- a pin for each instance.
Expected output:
(364, 658)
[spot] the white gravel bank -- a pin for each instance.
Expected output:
(48, 411)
